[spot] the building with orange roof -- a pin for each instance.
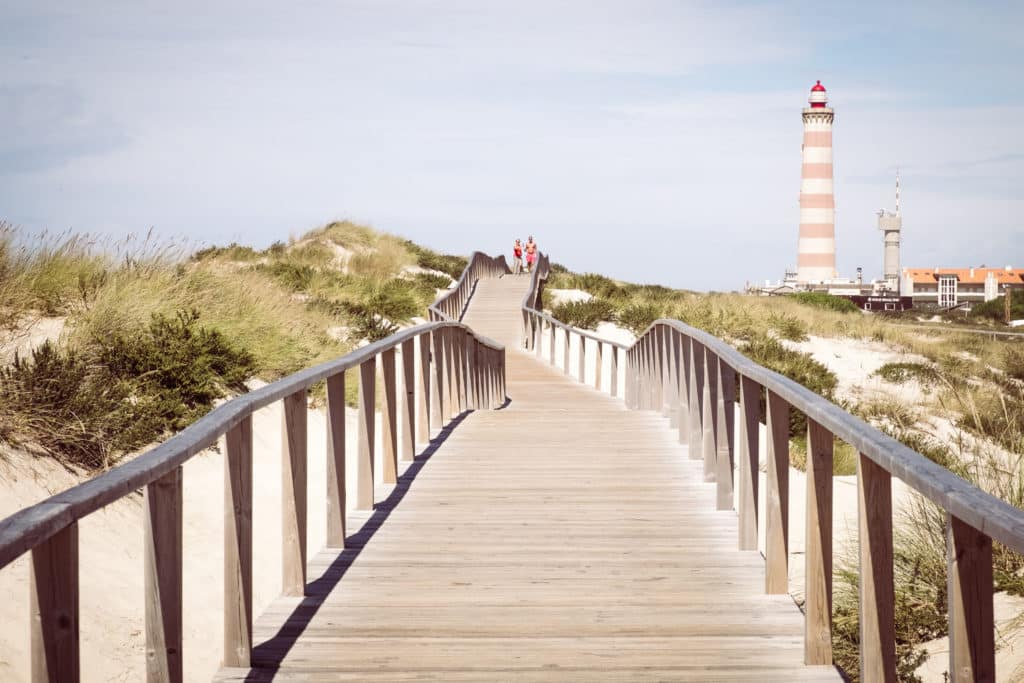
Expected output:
(951, 287)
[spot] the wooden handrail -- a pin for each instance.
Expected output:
(469, 371)
(695, 379)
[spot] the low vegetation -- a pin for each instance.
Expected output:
(157, 332)
(584, 314)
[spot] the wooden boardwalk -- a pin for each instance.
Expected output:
(561, 537)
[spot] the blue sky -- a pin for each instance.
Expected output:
(653, 141)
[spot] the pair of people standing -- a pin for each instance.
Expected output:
(517, 255)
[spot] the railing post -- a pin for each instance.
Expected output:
(613, 371)
(685, 398)
(366, 436)
(163, 578)
(629, 379)
(238, 545)
(293, 494)
(438, 403)
(598, 362)
(726, 422)
(672, 375)
(407, 450)
(551, 349)
(665, 342)
(565, 350)
(877, 599)
(582, 360)
(777, 501)
(709, 413)
(818, 547)
(451, 387)
(423, 404)
(696, 400)
(539, 337)
(389, 418)
(972, 647)
(749, 476)
(54, 608)
(336, 461)
(458, 371)
(643, 386)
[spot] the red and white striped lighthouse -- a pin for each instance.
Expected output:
(816, 254)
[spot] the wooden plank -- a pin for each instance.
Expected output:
(818, 547)
(238, 544)
(424, 404)
(53, 593)
(972, 647)
(877, 598)
(777, 499)
(726, 422)
(749, 466)
(162, 548)
(294, 494)
(336, 493)
(407, 449)
(366, 435)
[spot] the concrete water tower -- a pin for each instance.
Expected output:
(891, 224)
(816, 252)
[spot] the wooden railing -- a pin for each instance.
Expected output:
(696, 380)
(457, 370)
(452, 305)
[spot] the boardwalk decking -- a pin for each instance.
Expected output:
(561, 537)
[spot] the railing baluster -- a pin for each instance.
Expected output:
(709, 414)
(726, 422)
(672, 404)
(54, 608)
(336, 528)
(665, 344)
(293, 494)
(818, 547)
(777, 500)
(598, 362)
(613, 372)
(971, 631)
(551, 349)
(565, 351)
(696, 400)
(424, 404)
(683, 421)
(407, 449)
(582, 360)
(389, 418)
(749, 466)
(238, 544)
(539, 337)
(163, 577)
(367, 433)
(877, 599)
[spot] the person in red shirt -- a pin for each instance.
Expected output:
(517, 258)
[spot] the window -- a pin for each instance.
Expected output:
(947, 290)
(890, 307)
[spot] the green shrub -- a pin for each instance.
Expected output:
(797, 366)
(432, 281)
(445, 263)
(825, 301)
(788, 326)
(996, 308)
(297, 277)
(585, 314)
(87, 406)
(232, 252)
(898, 373)
(638, 317)
(1013, 360)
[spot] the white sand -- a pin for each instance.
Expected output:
(562, 296)
(110, 540)
(28, 335)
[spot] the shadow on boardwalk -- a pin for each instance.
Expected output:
(318, 590)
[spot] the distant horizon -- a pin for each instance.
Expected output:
(461, 127)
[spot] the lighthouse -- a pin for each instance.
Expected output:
(816, 252)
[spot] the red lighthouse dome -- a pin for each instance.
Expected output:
(818, 97)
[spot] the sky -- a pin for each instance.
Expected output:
(647, 140)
